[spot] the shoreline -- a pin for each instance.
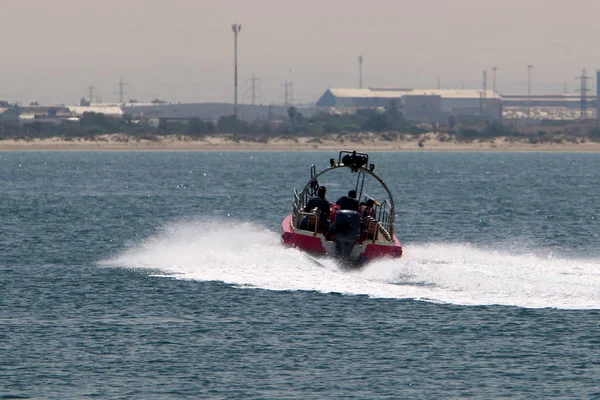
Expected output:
(365, 143)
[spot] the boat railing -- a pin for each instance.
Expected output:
(372, 230)
(298, 213)
(383, 213)
(385, 218)
(298, 205)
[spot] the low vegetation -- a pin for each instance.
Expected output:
(387, 125)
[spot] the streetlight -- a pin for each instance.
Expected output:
(494, 80)
(529, 67)
(236, 28)
(360, 61)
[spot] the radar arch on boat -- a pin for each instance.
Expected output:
(366, 171)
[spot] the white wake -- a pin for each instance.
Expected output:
(248, 255)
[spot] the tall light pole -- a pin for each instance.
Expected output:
(360, 61)
(236, 28)
(494, 80)
(529, 67)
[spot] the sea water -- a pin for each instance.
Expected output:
(161, 275)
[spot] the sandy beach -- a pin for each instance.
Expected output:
(359, 142)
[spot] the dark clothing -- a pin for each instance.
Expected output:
(347, 203)
(366, 211)
(320, 203)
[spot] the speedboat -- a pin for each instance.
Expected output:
(354, 237)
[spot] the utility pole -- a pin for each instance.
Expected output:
(483, 91)
(584, 89)
(494, 80)
(236, 28)
(360, 61)
(253, 87)
(484, 84)
(529, 67)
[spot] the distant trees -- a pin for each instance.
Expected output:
(197, 127)
(594, 134)
(387, 124)
(373, 120)
(231, 124)
(498, 129)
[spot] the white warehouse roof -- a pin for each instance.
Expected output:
(396, 93)
(107, 110)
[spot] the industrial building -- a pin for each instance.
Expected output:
(465, 105)
(211, 111)
(547, 100)
(8, 115)
(428, 105)
(422, 108)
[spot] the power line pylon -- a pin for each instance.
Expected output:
(288, 94)
(584, 90)
(254, 88)
(91, 91)
(122, 90)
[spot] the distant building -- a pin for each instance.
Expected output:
(38, 111)
(381, 97)
(420, 104)
(422, 108)
(210, 111)
(546, 100)
(598, 94)
(107, 110)
(8, 115)
(43, 114)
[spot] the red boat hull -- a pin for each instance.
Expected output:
(315, 243)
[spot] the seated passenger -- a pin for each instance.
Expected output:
(320, 202)
(368, 210)
(348, 202)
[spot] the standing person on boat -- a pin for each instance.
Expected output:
(348, 202)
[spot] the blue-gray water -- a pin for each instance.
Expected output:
(161, 275)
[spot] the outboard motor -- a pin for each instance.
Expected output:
(346, 232)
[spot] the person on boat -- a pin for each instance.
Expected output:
(348, 202)
(367, 216)
(367, 210)
(320, 203)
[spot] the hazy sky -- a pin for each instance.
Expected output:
(182, 50)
